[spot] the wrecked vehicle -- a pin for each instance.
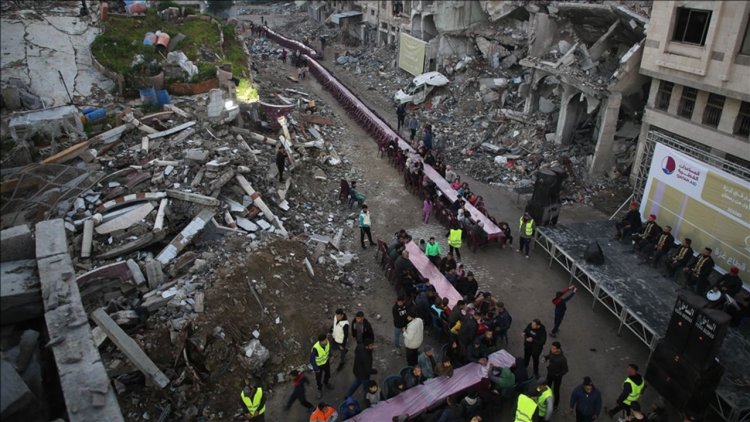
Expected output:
(419, 87)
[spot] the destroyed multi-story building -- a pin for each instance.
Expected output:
(699, 103)
(574, 64)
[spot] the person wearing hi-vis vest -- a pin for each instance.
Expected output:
(319, 359)
(455, 236)
(254, 401)
(632, 389)
(526, 406)
(526, 232)
(545, 401)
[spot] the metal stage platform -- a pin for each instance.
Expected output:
(642, 300)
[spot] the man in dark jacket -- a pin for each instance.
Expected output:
(534, 337)
(648, 233)
(362, 366)
(630, 224)
(361, 328)
(586, 401)
(557, 367)
(468, 286)
(300, 380)
(697, 272)
(447, 263)
(730, 283)
(501, 323)
(664, 243)
(469, 328)
(400, 115)
(399, 321)
(414, 377)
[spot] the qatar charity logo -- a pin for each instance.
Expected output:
(668, 165)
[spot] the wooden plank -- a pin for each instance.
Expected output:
(84, 382)
(129, 347)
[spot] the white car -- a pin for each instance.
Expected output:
(419, 87)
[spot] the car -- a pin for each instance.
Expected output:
(416, 92)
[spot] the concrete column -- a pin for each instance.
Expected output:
(603, 157)
(653, 93)
(729, 115)
(566, 120)
(674, 102)
(639, 149)
(700, 106)
(532, 96)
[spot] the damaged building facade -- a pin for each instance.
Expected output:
(699, 102)
(577, 63)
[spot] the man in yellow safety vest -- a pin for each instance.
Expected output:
(255, 402)
(526, 407)
(319, 359)
(455, 236)
(632, 389)
(526, 232)
(545, 401)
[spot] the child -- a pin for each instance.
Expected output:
(373, 395)
(426, 210)
(299, 380)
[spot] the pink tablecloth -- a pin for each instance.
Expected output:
(417, 399)
(442, 286)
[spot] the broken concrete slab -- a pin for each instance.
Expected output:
(154, 273)
(51, 122)
(14, 394)
(246, 224)
(185, 236)
(194, 198)
(20, 292)
(137, 244)
(260, 203)
(126, 220)
(16, 243)
(130, 348)
(83, 379)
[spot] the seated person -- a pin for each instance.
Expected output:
(355, 195)
(476, 352)
(349, 408)
(507, 234)
(503, 380)
(629, 224)
(414, 377)
(450, 174)
(661, 247)
(730, 283)
(647, 235)
(679, 258)
(470, 406)
(457, 204)
(448, 263)
(373, 395)
(473, 199)
(456, 184)
(394, 386)
(698, 270)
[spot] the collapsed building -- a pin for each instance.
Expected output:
(573, 64)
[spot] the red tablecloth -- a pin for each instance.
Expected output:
(442, 286)
(417, 399)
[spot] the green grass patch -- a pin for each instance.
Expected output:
(122, 39)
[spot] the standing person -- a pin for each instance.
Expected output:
(283, 56)
(300, 380)
(455, 236)
(399, 322)
(364, 227)
(586, 401)
(427, 137)
(545, 401)
(632, 389)
(281, 161)
(560, 301)
(400, 116)
(526, 406)
(319, 356)
(426, 210)
(432, 250)
(526, 233)
(322, 44)
(340, 334)
(362, 329)
(362, 366)
(534, 335)
(413, 124)
(557, 367)
(254, 401)
(413, 337)
(501, 323)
